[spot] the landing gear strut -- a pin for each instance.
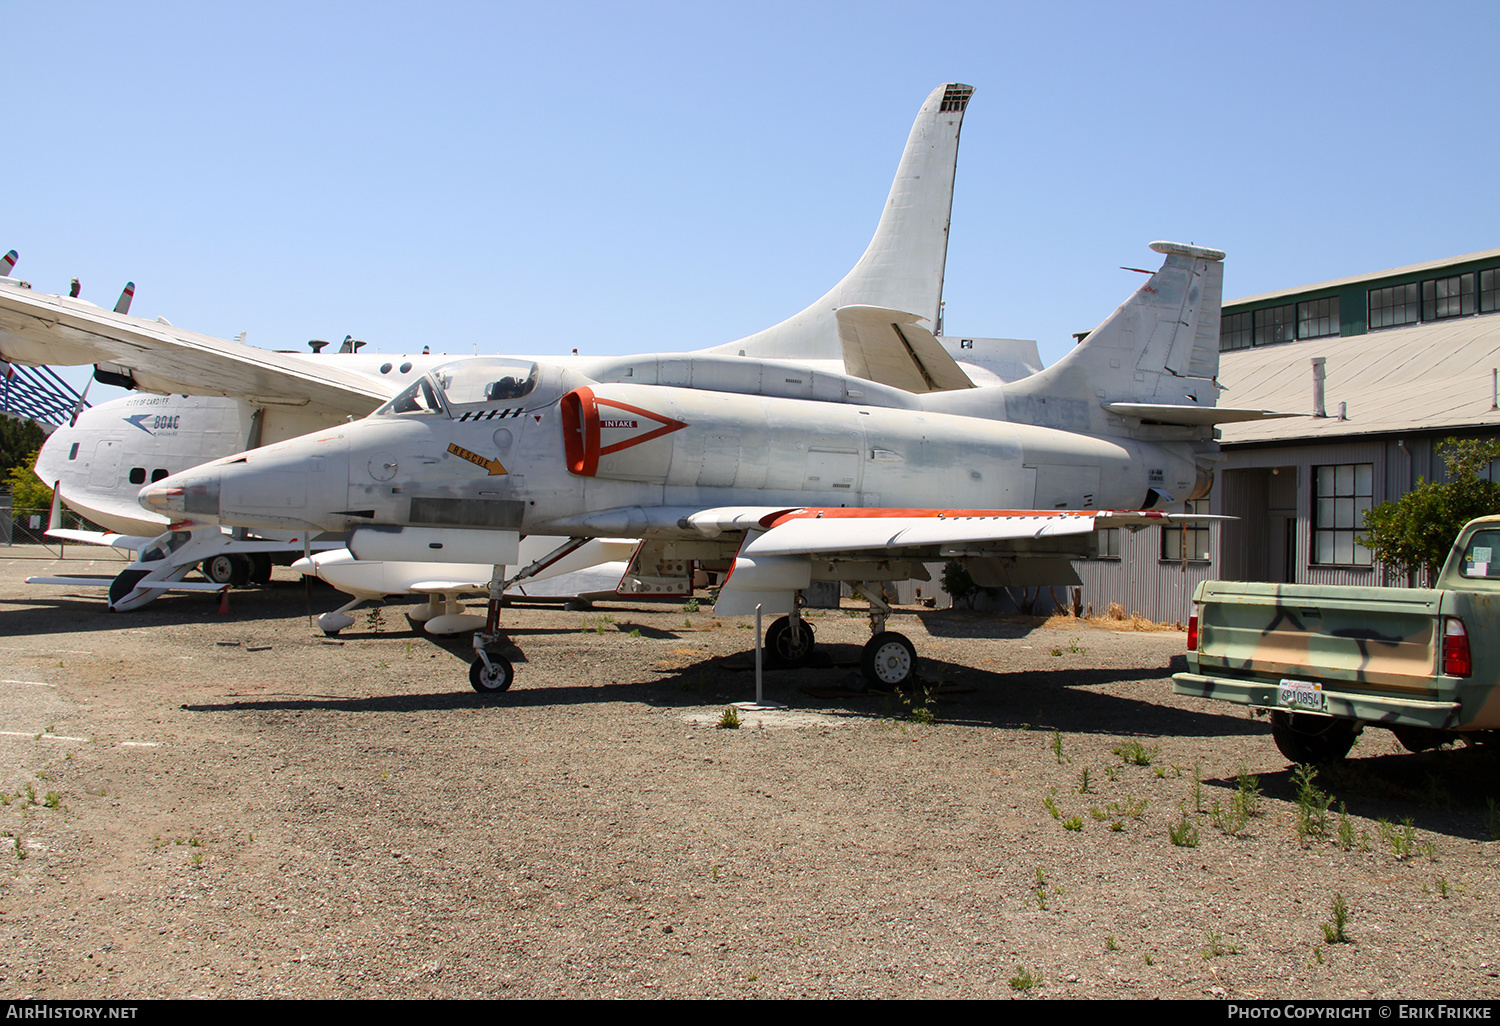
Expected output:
(889, 660)
(790, 639)
(491, 672)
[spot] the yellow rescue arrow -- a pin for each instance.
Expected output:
(493, 466)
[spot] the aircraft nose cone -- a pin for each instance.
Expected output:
(192, 494)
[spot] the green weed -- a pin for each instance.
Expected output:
(1073, 823)
(1183, 833)
(1137, 754)
(1110, 944)
(1312, 804)
(1025, 981)
(690, 606)
(1057, 746)
(1333, 932)
(1402, 840)
(1216, 947)
(729, 719)
(1083, 781)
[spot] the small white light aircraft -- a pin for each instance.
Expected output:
(775, 473)
(276, 395)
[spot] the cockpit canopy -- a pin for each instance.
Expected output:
(473, 382)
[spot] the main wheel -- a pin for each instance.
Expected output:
(781, 646)
(889, 659)
(226, 569)
(1303, 737)
(494, 678)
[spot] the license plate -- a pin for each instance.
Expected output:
(1300, 694)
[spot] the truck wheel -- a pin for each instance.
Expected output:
(1423, 739)
(1316, 739)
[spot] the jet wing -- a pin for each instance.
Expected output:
(36, 328)
(1001, 548)
(823, 532)
(892, 348)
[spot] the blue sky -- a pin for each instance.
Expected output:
(638, 177)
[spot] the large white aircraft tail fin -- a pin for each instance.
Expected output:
(1159, 351)
(902, 269)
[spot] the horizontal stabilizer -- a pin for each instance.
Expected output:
(890, 347)
(1193, 416)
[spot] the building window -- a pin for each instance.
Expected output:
(1235, 332)
(1489, 290)
(1187, 541)
(1276, 324)
(1448, 297)
(1392, 306)
(1342, 496)
(1318, 317)
(1109, 543)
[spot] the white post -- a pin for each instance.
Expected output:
(757, 654)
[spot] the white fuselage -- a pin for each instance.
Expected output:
(574, 446)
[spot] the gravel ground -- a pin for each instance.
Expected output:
(218, 805)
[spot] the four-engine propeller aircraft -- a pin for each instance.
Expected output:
(774, 473)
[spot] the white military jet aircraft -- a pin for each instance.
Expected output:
(774, 473)
(276, 395)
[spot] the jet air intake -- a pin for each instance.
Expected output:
(604, 437)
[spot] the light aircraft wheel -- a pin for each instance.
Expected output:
(1317, 739)
(219, 569)
(889, 659)
(494, 678)
(781, 646)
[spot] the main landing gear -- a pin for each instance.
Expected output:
(889, 659)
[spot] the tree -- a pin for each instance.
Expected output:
(17, 438)
(27, 491)
(1414, 533)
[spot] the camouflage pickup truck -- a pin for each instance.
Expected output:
(1328, 661)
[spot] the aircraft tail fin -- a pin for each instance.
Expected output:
(8, 263)
(1160, 348)
(122, 306)
(902, 268)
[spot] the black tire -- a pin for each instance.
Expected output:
(1423, 739)
(492, 679)
(1303, 737)
(260, 568)
(780, 646)
(889, 660)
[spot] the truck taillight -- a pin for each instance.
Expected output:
(1193, 633)
(1457, 662)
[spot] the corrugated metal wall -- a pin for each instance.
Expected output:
(1141, 581)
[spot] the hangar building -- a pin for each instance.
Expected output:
(1382, 366)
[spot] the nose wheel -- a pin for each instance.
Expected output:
(491, 674)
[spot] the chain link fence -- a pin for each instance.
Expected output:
(29, 526)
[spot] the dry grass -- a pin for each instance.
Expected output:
(1114, 619)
